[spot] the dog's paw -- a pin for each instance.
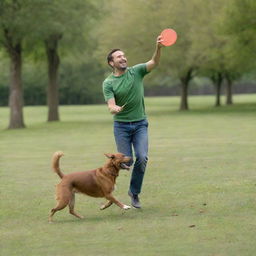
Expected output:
(102, 207)
(126, 207)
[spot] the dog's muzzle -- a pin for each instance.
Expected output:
(124, 166)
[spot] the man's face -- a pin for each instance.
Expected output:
(119, 60)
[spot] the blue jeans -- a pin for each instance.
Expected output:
(129, 136)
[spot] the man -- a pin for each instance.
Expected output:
(124, 93)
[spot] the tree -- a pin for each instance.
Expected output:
(13, 26)
(217, 78)
(53, 60)
(240, 26)
(65, 24)
(216, 60)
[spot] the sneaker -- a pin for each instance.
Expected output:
(135, 201)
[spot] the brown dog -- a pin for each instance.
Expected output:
(96, 183)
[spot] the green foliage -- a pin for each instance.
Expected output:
(34, 22)
(81, 84)
(202, 43)
(213, 36)
(72, 20)
(240, 26)
(13, 20)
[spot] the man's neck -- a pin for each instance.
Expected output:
(119, 72)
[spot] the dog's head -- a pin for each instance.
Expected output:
(119, 160)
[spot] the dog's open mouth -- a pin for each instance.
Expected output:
(124, 166)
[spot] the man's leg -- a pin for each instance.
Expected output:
(140, 144)
(123, 138)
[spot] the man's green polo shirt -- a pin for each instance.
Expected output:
(127, 90)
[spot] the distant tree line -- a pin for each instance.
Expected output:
(207, 89)
(87, 90)
(79, 84)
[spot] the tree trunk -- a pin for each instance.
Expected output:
(229, 100)
(16, 90)
(218, 89)
(51, 45)
(184, 90)
(184, 97)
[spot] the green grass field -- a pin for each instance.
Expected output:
(199, 193)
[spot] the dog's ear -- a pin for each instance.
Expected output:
(111, 156)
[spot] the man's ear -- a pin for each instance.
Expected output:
(111, 64)
(111, 156)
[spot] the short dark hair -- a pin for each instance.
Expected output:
(110, 57)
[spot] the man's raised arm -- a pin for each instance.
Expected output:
(156, 56)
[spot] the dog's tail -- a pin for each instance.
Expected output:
(55, 163)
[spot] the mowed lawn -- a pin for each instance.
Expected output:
(199, 192)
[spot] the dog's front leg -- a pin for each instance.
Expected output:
(106, 205)
(111, 198)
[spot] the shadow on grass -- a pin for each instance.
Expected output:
(132, 214)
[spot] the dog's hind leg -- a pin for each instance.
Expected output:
(63, 196)
(72, 206)
(106, 205)
(61, 205)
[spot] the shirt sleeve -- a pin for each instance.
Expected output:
(141, 69)
(107, 91)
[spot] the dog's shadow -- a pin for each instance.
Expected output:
(110, 216)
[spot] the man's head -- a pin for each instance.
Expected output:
(117, 60)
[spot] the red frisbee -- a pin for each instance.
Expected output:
(169, 37)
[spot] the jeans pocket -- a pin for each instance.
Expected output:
(117, 124)
(145, 122)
